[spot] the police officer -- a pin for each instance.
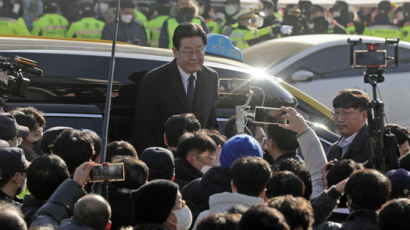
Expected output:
(232, 8)
(405, 23)
(246, 30)
(382, 25)
(128, 30)
(320, 23)
(268, 13)
(292, 17)
(184, 11)
(51, 23)
(10, 21)
(163, 8)
(141, 17)
(88, 27)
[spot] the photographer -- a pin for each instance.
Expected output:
(70, 208)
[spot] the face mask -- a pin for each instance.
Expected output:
(336, 14)
(230, 9)
(184, 218)
(16, 8)
(126, 18)
(201, 10)
(205, 169)
(102, 7)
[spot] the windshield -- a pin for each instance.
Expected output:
(260, 55)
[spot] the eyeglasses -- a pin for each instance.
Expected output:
(344, 114)
(208, 159)
(198, 53)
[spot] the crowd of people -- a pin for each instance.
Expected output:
(202, 179)
(153, 24)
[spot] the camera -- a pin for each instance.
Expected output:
(107, 172)
(16, 84)
(268, 115)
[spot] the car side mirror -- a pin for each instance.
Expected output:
(302, 76)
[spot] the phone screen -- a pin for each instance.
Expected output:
(107, 172)
(268, 115)
(364, 58)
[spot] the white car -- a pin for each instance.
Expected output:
(320, 66)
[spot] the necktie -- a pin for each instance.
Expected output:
(191, 91)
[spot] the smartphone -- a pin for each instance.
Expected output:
(234, 86)
(107, 172)
(268, 115)
(364, 58)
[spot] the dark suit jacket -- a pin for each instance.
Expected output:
(359, 149)
(162, 94)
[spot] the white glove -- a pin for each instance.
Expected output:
(285, 29)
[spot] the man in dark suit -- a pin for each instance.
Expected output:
(350, 117)
(181, 86)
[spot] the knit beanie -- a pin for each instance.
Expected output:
(160, 162)
(154, 201)
(239, 146)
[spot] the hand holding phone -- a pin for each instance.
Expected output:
(107, 172)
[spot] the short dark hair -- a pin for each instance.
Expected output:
(300, 170)
(263, 217)
(367, 189)
(29, 116)
(11, 217)
(351, 98)
(74, 147)
(95, 139)
(297, 210)
(92, 210)
(198, 141)
(341, 170)
(395, 215)
(230, 129)
(215, 135)
(284, 183)
(177, 125)
(45, 174)
(402, 134)
(285, 139)
(187, 30)
(120, 148)
(136, 172)
(220, 221)
(127, 4)
(250, 175)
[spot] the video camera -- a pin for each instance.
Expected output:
(16, 84)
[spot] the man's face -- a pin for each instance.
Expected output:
(190, 55)
(348, 121)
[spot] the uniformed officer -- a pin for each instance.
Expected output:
(247, 29)
(10, 22)
(88, 27)
(51, 23)
(141, 18)
(232, 8)
(163, 8)
(184, 11)
(382, 25)
(405, 23)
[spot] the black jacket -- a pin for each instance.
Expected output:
(359, 149)
(185, 172)
(162, 94)
(16, 201)
(122, 209)
(30, 207)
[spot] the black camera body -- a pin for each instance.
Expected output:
(16, 84)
